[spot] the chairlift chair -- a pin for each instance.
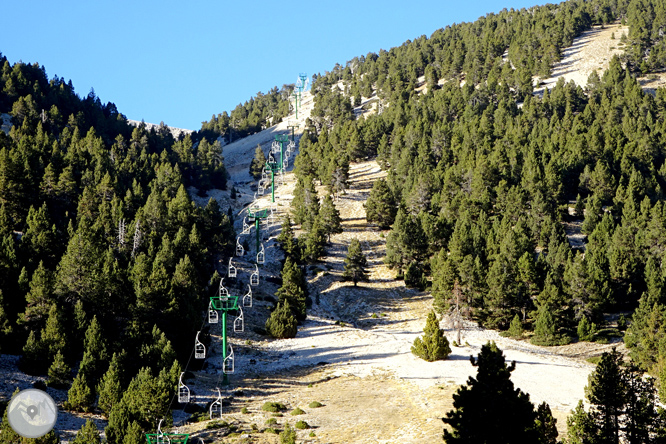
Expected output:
(239, 322)
(228, 365)
(215, 410)
(231, 271)
(246, 226)
(199, 348)
(254, 277)
(213, 317)
(239, 248)
(183, 391)
(224, 293)
(261, 255)
(247, 299)
(271, 159)
(260, 188)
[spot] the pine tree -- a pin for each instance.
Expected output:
(134, 434)
(581, 426)
(88, 434)
(94, 354)
(515, 328)
(281, 323)
(39, 298)
(32, 360)
(381, 208)
(59, 372)
(109, 388)
(546, 425)
(489, 409)
(607, 390)
(329, 218)
(434, 346)
(81, 395)
(355, 263)
(53, 334)
(258, 163)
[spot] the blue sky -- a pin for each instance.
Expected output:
(181, 62)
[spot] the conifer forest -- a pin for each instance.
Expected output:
(114, 248)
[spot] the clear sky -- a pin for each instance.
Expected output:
(181, 62)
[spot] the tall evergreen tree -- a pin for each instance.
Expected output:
(258, 163)
(355, 263)
(381, 208)
(489, 409)
(329, 218)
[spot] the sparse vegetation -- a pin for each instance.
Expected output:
(274, 407)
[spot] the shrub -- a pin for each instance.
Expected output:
(281, 323)
(271, 421)
(270, 430)
(288, 435)
(273, 407)
(297, 411)
(216, 425)
(312, 435)
(414, 277)
(302, 425)
(434, 346)
(515, 328)
(315, 404)
(244, 410)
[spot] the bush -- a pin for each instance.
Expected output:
(288, 435)
(282, 323)
(270, 430)
(586, 330)
(302, 425)
(315, 404)
(414, 277)
(434, 346)
(271, 421)
(217, 425)
(297, 411)
(273, 407)
(244, 410)
(515, 328)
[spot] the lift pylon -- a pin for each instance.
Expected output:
(225, 304)
(257, 214)
(163, 438)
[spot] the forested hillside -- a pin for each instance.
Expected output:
(104, 258)
(481, 173)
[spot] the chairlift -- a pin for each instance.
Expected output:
(215, 410)
(231, 271)
(247, 299)
(271, 159)
(254, 277)
(261, 255)
(239, 322)
(246, 226)
(224, 293)
(260, 189)
(213, 317)
(228, 364)
(199, 348)
(239, 248)
(183, 391)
